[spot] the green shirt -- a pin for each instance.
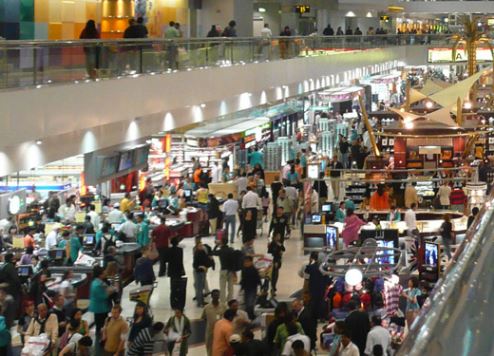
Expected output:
(143, 234)
(98, 298)
(75, 246)
(282, 334)
(340, 216)
(171, 33)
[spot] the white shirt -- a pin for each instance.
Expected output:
(377, 336)
(230, 207)
(129, 228)
(350, 350)
(115, 216)
(250, 201)
(95, 219)
(241, 184)
(51, 240)
(410, 219)
(291, 193)
(266, 33)
(67, 212)
(288, 351)
(444, 192)
(215, 174)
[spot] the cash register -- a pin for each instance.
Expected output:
(57, 255)
(25, 272)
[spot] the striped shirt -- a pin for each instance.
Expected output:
(143, 344)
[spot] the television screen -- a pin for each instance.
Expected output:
(187, 194)
(126, 161)
(316, 218)
(89, 240)
(141, 155)
(388, 255)
(24, 271)
(314, 242)
(109, 166)
(431, 254)
(331, 236)
(326, 208)
(57, 254)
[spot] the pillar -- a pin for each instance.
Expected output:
(220, 12)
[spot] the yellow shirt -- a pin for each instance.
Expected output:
(116, 330)
(202, 196)
(125, 205)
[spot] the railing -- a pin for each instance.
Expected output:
(457, 318)
(34, 63)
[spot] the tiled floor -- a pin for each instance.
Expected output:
(288, 283)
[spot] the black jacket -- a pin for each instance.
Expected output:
(357, 323)
(225, 255)
(309, 324)
(279, 225)
(176, 262)
(200, 259)
(214, 209)
(321, 188)
(250, 279)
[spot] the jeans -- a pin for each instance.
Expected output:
(163, 253)
(344, 160)
(199, 279)
(226, 278)
(250, 297)
(447, 247)
(230, 225)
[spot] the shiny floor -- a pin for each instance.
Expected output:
(288, 283)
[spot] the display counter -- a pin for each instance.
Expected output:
(129, 253)
(82, 277)
(221, 190)
(270, 176)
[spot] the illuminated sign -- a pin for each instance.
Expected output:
(302, 9)
(437, 55)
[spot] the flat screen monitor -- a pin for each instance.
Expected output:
(188, 194)
(314, 242)
(25, 271)
(109, 166)
(313, 171)
(431, 254)
(126, 161)
(141, 155)
(388, 256)
(316, 219)
(326, 208)
(89, 240)
(332, 237)
(57, 254)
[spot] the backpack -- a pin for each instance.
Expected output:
(236, 260)
(108, 242)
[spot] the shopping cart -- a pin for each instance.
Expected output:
(264, 266)
(143, 294)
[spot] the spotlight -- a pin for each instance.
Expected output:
(353, 276)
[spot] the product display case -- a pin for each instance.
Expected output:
(476, 195)
(425, 191)
(354, 189)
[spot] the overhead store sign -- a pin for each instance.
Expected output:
(438, 55)
(302, 9)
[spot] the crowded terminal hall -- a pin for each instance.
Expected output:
(289, 187)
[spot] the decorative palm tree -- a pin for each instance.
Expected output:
(470, 39)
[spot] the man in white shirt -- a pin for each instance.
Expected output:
(115, 216)
(284, 171)
(294, 335)
(95, 219)
(347, 347)
(52, 238)
(67, 211)
(444, 193)
(129, 228)
(411, 221)
(252, 202)
(230, 208)
(241, 184)
(215, 173)
(266, 32)
(377, 336)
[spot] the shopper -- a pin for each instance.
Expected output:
(213, 32)
(114, 332)
(294, 335)
(141, 30)
(306, 318)
(214, 213)
(201, 263)
(444, 194)
(178, 330)
(161, 237)
(316, 286)
(251, 202)
(227, 275)
(357, 326)
(99, 301)
(176, 272)
(211, 313)
(411, 293)
(347, 347)
(249, 285)
(44, 323)
(446, 231)
(279, 225)
(471, 218)
(352, 228)
(223, 330)
(230, 209)
(411, 221)
(377, 336)
(394, 215)
(142, 231)
(340, 214)
(344, 147)
(380, 199)
(339, 31)
(143, 343)
(335, 173)
(140, 321)
(411, 196)
(285, 44)
(230, 30)
(276, 250)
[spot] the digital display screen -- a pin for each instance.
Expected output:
(126, 160)
(141, 155)
(313, 171)
(89, 239)
(326, 208)
(387, 256)
(24, 271)
(187, 193)
(431, 254)
(316, 219)
(109, 166)
(331, 236)
(57, 254)
(314, 242)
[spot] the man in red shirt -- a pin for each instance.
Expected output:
(161, 236)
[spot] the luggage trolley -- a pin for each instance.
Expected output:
(264, 266)
(143, 294)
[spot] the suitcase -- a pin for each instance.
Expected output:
(220, 234)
